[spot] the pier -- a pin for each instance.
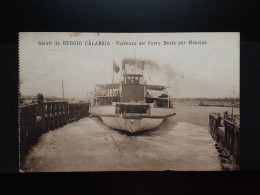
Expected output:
(89, 145)
(38, 118)
(50, 141)
(226, 132)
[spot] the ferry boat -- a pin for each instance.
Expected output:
(130, 105)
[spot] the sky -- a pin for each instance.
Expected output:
(190, 70)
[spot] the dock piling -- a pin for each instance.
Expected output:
(38, 118)
(227, 137)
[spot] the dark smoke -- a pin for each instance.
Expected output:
(167, 69)
(148, 64)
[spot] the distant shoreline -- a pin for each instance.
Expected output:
(218, 106)
(208, 105)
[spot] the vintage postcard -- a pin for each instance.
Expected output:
(129, 101)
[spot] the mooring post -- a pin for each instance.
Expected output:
(236, 153)
(47, 117)
(219, 120)
(66, 112)
(51, 117)
(232, 141)
(33, 129)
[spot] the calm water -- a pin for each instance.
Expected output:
(181, 143)
(198, 115)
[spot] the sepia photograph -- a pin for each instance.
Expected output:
(91, 102)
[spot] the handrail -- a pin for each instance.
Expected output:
(36, 119)
(229, 139)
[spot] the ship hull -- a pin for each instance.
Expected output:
(131, 122)
(132, 125)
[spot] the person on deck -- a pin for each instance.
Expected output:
(154, 103)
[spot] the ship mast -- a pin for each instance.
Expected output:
(233, 100)
(62, 90)
(168, 98)
(135, 59)
(112, 83)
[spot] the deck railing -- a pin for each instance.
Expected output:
(36, 119)
(226, 131)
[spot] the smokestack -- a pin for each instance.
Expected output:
(123, 65)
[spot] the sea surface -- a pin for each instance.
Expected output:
(180, 143)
